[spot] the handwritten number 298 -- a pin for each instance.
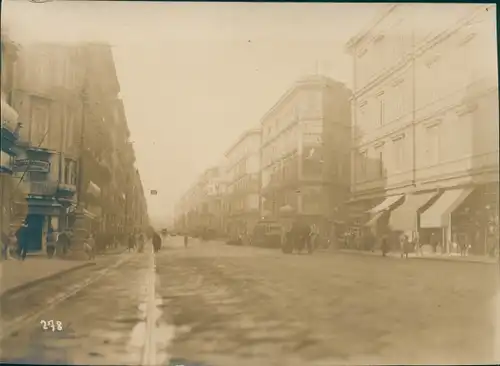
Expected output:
(51, 325)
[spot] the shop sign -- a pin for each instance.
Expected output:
(29, 165)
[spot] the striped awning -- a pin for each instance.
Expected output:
(9, 115)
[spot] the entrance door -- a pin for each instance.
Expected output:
(34, 233)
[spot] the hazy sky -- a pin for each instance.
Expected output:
(194, 76)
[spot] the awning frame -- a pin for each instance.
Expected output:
(386, 204)
(461, 195)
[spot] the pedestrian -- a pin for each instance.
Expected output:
(89, 246)
(156, 242)
(384, 245)
(51, 242)
(185, 241)
(434, 242)
(131, 242)
(418, 243)
(22, 236)
(405, 246)
(63, 241)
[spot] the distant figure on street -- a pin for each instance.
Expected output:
(131, 242)
(385, 245)
(418, 244)
(63, 242)
(89, 246)
(405, 246)
(156, 242)
(51, 242)
(186, 241)
(22, 245)
(141, 240)
(463, 247)
(434, 242)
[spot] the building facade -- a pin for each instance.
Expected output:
(305, 149)
(68, 97)
(201, 208)
(425, 123)
(10, 126)
(243, 184)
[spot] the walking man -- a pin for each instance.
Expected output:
(22, 245)
(63, 242)
(185, 241)
(90, 246)
(156, 242)
(385, 245)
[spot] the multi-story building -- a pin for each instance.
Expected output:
(305, 146)
(425, 111)
(201, 209)
(9, 183)
(243, 183)
(67, 97)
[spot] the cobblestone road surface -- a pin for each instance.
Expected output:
(211, 304)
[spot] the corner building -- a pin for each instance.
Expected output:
(305, 155)
(425, 116)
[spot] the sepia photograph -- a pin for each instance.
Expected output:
(249, 183)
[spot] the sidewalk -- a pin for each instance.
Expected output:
(429, 256)
(16, 274)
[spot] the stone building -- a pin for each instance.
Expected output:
(68, 98)
(243, 178)
(9, 182)
(425, 114)
(201, 208)
(305, 149)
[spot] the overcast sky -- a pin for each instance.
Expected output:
(194, 76)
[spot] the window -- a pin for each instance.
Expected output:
(363, 157)
(399, 153)
(432, 144)
(39, 125)
(68, 135)
(380, 162)
(382, 111)
(67, 171)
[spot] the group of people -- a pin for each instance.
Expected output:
(137, 241)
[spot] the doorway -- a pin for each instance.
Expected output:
(34, 232)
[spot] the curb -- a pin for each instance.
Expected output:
(442, 259)
(25, 286)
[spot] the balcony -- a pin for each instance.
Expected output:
(48, 188)
(66, 192)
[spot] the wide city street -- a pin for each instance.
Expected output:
(213, 304)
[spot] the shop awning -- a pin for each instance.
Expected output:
(373, 220)
(94, 190)
(437, 215)
(8, 114)
(404, 217)
(386, 204)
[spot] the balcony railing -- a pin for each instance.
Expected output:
(41, 188)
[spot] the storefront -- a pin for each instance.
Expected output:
(9, 150)
(404, 219)
(467, 216)
(475, 222)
